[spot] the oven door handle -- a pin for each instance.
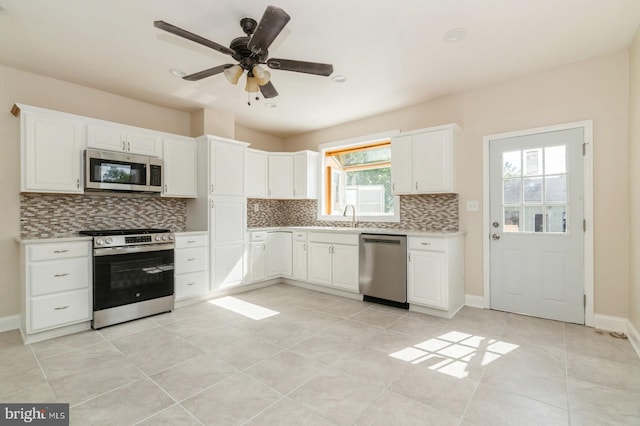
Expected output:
(108, 251)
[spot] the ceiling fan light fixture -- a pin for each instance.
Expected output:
(251, 85)
(232, 74)
(176, 72)
(261, 75)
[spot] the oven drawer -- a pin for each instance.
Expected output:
(191, 260)
(190, 285)
(59, 275)
(53, 251)
(188, 241)
(59, 309)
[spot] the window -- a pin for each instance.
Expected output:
(358, 174)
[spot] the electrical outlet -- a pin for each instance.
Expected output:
(472, 206)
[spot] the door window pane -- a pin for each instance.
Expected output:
(534, 219)
(511, 220)
(556, 219)
(512, 191)
(533, 162)
(555, 160)
(533, 190)
(512, 164)
(555, 189)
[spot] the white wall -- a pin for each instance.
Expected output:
(634, 179)
(594, 89)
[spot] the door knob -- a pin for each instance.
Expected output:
(495, 224)
(495, 237)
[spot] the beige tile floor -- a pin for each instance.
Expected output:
(283, 355)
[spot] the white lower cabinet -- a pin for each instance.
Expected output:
(435, 274)
(333, 260)
(279, 251)
(227, 227)
(191, 259)
(56, 288)
(299, 257)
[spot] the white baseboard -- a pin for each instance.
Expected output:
(634, 337)
(12, 322)
(609, 323)
(474, 301)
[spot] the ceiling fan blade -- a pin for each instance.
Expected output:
(206, 73)
(193, 37)
(268, 91)
(300, 66)
(272, 22)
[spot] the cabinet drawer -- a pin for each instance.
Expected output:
(190, 285)
(190, 260)
(325, 237)
(60, 275)
(258, 236)
(39, 252)
(300, 236)
(188, 241)
(434, 244)
(59, 309)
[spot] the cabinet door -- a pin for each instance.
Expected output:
(109, 137)
(143, 142)
(227, 168)
(300, 260)
(180, 173)
(300, 175)
(432, 166)
(52, 156)
(345, 267)
(320, 263)
(228, 265)
(281, 176)
(401, 165)
(258, 254)
(274, 259)
(190, 285)
(228, 221)
(427, 283)
(257, 174)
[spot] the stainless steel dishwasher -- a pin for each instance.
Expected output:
(383, 269)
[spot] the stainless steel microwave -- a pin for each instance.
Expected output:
(115, 171)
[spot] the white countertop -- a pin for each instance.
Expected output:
(59, 238)
(349, 230)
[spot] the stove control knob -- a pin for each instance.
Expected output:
(109, 240)
(164, 238)
(157, 237)
(171, 237)
(99, 242)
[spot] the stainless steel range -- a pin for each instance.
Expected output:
(132, 274)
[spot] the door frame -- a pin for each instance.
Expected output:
(587, 126)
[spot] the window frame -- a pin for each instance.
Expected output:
(323, 179)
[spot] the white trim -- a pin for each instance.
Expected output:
(322, 289)
(474, 301)
(609, 323)
(8, 323)
(634, 337)
(587, 126)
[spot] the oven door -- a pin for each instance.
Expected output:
(132, 274)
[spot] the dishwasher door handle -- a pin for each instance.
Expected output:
(376, 241)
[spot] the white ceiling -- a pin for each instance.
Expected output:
(392, 52)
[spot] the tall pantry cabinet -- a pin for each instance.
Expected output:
(221, 208)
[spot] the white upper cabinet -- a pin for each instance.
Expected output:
(180, 167)
(424, 161)
(257, 179)
(280, 175)
(116, 137)
(226, 165)
(52, 146)
(305, 174)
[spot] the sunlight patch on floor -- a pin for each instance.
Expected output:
(452, 353)
(249, 310)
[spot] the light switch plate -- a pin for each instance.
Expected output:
(472, 206)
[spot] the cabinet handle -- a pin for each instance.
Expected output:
(425, 244)
(393, 185)
(60, 251)
(78, 183)
(211, 187)
(304, 247)
(269, 192)
(409, 257)
(191, 241)
(61, 275)
(60, 308)
(165, 187)
(191, 259)
(124, 146)
(416, 185)
(193, 283)
(129, 146)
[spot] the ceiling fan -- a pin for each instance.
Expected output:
(251, 51)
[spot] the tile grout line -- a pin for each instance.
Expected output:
(566, 372)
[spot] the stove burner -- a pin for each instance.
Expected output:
(109, 232)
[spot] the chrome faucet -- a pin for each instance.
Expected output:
(354, 219)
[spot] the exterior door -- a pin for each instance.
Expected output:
(537, 214)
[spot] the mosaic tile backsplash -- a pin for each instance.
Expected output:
(434, 212)
(52, 215)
